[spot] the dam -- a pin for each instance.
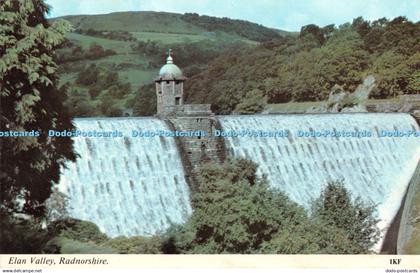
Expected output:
(138, 186)
(130, 185)
(124, 185)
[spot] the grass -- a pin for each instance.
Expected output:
(382, 100)
(131, 68)
(135, 22)
(135, 68)
(172, 38)
(137, 77)
(169, 38)
(123, 46)
(292, 107)
(67, 77)
(122, 61)
(302, 107)
(85, 41)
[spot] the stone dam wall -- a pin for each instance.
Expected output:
(200, 149)
(406, 222)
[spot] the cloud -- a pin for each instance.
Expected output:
(283, 14)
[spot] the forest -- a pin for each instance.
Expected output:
(307, 67)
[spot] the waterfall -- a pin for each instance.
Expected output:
(136, 186)
(378, 169)
(126, 185)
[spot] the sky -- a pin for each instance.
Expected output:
(288, 15)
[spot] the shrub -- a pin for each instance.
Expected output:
(94, 91)
(88, 76)
(63, 245)
(118, 91)
(108, 107)
(254, 102)
(78, 230)
(135, 245)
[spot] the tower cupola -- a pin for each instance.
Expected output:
(169, 87)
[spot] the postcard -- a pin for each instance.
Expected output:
(206, 135)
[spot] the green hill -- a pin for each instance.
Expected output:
(123, 51)
(162, 22)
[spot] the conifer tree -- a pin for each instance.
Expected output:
(336, 208)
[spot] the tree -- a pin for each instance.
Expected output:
(144, 102)
(361, 26)
(253, 102)
(20, 236)
(313, 30)
(397, 75)
(88, 76)
(311, 237)
(30, 101)
(413, 64)
(234, 212)
(108, 106)
(343, 60)
(79, 103)
(97, 51)
(110, 79)
(237, 212)
(336, 208)
(119, 90)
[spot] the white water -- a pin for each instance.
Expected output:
(376, 169)
(127, 186)
(136, 186)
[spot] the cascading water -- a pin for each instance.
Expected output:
(136, 186)
(126, 185)
(378, 169)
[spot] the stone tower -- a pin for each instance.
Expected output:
(197, 118)
(169, 88)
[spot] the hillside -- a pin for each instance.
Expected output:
(161, 22)
(308, 66)
(123, 51)
(234, 65)
(164, 22)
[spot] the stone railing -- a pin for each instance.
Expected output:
(187, 110)
(195, 109)
(410, 98)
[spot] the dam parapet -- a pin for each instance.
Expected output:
(186, 110)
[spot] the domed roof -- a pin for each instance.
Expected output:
(170, 71)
